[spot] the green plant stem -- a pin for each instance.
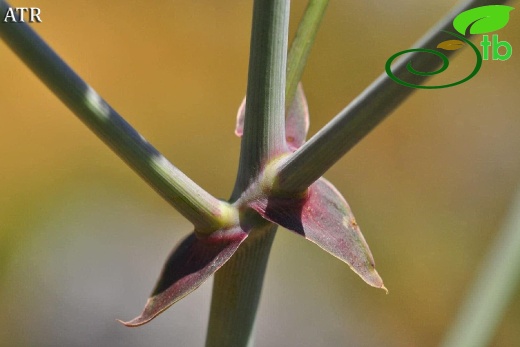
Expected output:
(301, 45)
(493, 290)
(238, 284)
(203, 210)
(365, 112)
(264, 125)
(236, 291)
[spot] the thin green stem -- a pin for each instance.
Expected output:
(369, 109)
(301, 45)
(238, 284)
(264, 125)
(493, 290)
(203, 210)
(236, 291)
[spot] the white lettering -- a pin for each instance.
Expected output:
(21, 9)
(9, 16)
(35, 13)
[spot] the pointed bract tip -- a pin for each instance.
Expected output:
(372, 278)
(375, 281)
(127, 324)
(136, 322)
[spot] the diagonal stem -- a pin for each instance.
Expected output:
(203, 210)
(264, 124)
(301, 45)
(369, 109)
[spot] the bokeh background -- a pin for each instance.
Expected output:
(83, 239)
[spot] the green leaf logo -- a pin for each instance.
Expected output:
(482, 20)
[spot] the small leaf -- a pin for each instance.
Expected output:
(325, 218)
(483, 19)
(296, 121)
(450, 45)
(191, 263)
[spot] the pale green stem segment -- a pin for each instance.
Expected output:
(363, 114)
(301, 45)
(264, 126)
(236, 291)
(493, 290)
(203, 210)
(238, 284)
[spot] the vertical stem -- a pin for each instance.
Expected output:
(264, 125)
(238, 284)
(236, 291)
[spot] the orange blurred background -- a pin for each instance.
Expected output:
(82, 238)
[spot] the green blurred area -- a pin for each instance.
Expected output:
(82, 238)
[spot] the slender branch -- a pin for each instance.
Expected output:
(236, 291)
(493, 290)
(301, 45)
(264, 125)
(369, 109)
(238, 284)
(198, 206)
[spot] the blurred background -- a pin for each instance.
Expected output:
(83, 239)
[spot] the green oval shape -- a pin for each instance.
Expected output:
(483, 19)
(444, 66)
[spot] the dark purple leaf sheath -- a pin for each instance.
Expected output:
(192, 262)
(324, 217)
